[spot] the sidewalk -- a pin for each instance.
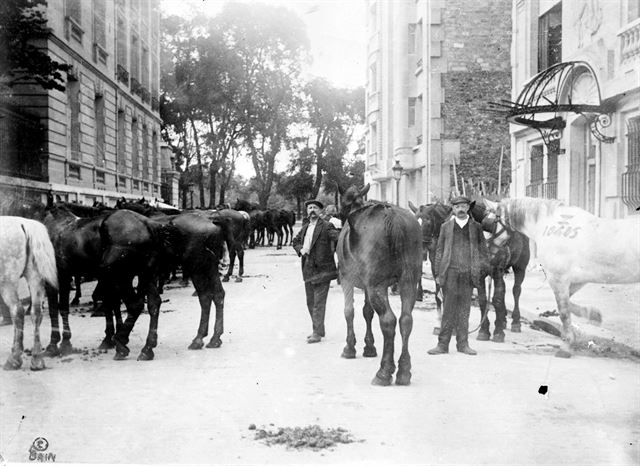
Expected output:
(619, 305)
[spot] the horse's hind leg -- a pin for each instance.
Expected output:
(561, 291)
(380, 303)
(10, 296)
(369, 347)
(349, 351)
(134, 301)
(37, 294)
(153, 304)
(218, 300)
(52, 298)
(518, 278)
(240, 264)
(232, 260)
(408, 300)
(204, 289)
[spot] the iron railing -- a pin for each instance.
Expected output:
(631, 186)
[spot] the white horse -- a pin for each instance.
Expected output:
(25, 251)
(575, 248)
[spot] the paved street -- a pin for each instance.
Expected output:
(197, 406)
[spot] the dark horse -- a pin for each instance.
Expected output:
(377, 249)
(507, 249)
(257, 221)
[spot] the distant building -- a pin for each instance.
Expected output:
(100, 139)
(576, 94)
(433, 66)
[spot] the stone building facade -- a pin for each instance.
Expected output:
(433, 66)
(576, 94)
(100, 138)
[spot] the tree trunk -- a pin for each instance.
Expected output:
(199, 162)
(212, 185)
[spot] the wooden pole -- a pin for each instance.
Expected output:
(455, 174)
(500, 171)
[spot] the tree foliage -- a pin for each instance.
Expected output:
(22, 24)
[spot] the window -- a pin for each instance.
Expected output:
(633, 143)
(135, 63)
(145, 152)
(73, 96)
(122, 182)
(145, 67)
(135, 167)
(373, 77)
(411, 40)
(74, 171)
(412, 112)
(537, 156)
(419, 45)
(154, 156)
(98, 109)
(121, 38)
(99, 32)
(550, 38)
(552, 160)
(100, 177)
(634, 10)
(374, 138)
(73, 20)
(122, 139)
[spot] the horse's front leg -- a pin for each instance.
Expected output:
(78, 294)
(240, 264)
(52, 298)
(499, 306)
(408, 300)
(349, 351)
(134, 303)
(380, 303)
(561, 291)
(518, 278)
(11, 299)
(65, 345)
(37, 361)
(484, 333)
(232, 260)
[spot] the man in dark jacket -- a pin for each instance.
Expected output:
(314, 243)
(461, 256)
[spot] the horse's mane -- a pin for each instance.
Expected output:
(516, 211)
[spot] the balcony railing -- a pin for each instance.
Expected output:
(630, 41)
(534, 190)
(631, 186)
(122, 74)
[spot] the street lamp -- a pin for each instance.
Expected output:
(397, 174)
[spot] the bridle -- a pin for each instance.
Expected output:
(500, 235)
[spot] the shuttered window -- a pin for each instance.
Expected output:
(537, 156)
(550, 38)
(99, 27)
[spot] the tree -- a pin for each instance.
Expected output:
(22, 24)
(271, 44)
(298, 183)
(333, 114)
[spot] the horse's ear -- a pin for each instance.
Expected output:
(365, 190)
(413, 208)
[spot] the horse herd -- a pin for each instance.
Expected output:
(380, 246)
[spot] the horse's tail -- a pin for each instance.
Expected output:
(40, 251)
(399, 240)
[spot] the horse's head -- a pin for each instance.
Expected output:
(431, 217)
(484, 212)
(352, 199)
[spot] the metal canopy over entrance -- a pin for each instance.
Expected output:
(560, 89)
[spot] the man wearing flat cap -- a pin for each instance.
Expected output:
(314, 243)
(460, 256)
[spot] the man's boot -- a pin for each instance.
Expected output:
(440, 349)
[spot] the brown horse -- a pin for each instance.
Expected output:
(377, 249)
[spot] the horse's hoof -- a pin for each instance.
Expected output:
(483, 336)
(13, 363)
(563, 354)
(380, 382)
(403, 379)
(238, 279)
(37, 363)
(369, 352)
(120, 356)
(225, 279)
(214, 343)
(196, 345)
(516, 328)
(52, 350)
(146, 355)
(106, 344)
(66, 348)
(348, 353)
(498, 337)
